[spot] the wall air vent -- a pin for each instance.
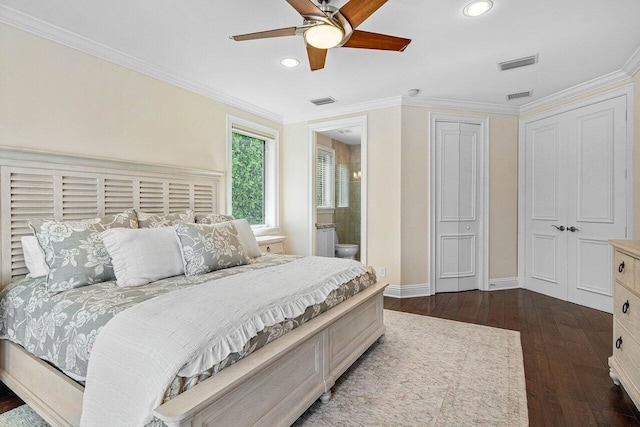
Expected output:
(517, 63)
(519, 95)
(323, 101)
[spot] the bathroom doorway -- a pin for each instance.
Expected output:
(337, 185)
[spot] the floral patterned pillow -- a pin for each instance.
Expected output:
(209, 247)
(73, 251)
(148, 220)
(213, 218)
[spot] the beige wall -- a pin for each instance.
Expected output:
(383, 193)
(503, 194)
(58, 99)
(398, 192)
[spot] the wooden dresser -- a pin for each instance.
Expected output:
(271, 244)
(625, 362)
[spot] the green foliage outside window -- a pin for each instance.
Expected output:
(247, 171)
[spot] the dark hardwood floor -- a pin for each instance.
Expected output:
(565, 349)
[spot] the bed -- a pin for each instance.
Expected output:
(273, 384)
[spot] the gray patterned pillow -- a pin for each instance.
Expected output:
(213, 218)
(209, 247)
(73, 251)
(148, 220)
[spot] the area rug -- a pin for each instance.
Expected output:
(428, 372)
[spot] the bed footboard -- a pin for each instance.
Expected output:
(277, 383)
(272, 386)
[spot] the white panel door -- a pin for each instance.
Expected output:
(575, 202)
(597, 206)
(546, 190)
(457, 187)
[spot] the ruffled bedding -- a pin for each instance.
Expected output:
(62, 328)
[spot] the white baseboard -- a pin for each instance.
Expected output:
(408, 291)
(505, 283)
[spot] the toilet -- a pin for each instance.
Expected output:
(345, 250)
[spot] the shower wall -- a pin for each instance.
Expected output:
(347, 218)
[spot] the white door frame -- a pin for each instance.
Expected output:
(626, 90)
(312, 129)
(483, 232)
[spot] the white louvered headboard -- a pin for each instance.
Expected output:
(44, 185)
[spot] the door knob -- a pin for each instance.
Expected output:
(561, 228)
(573, 229)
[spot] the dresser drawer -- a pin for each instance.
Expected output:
(627, 354)
(625, 300)
(272, 248)
(624, 269)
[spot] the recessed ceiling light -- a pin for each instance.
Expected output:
(478, 7)
(289, 62)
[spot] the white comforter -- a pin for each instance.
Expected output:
(139, 352)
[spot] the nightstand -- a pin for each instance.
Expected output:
(271, 244)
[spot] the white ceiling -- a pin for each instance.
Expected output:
(451, 56)
(349, 136)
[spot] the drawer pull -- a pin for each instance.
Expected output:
(619, 342)
(625, 307)
(621, 267)
(268, 249)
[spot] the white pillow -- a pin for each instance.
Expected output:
(34, 257)
(246, 238)
(143, 255)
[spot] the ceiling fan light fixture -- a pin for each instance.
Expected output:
(289, 62)
(477, 8)
(324, 36)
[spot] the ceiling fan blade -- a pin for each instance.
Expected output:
(317, 57)
(356, 11)
(282, 32)
(365, 40)
(306, 8)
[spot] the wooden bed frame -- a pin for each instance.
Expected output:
(272, 386)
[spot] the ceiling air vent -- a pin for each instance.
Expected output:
(517, 63)
(519, 95)
(323, 101)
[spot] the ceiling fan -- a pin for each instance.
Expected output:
(325, 27)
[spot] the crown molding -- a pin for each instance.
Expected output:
(572, 92)
(59, 35)
(394, 101)
(13, 156)
(454, 104)
(633, 64)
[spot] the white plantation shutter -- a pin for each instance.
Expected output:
(32, 188)
(325, 178)
(118, 195)
(151, 197)
(30, 196)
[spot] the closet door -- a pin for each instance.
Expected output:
(575, 201)
(546, 208)
(458, 214)
(597, 203)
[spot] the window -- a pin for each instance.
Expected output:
(252, 187)
(343, 186)
(325, 178)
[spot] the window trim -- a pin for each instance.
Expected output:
(272, 171)
(332, 182)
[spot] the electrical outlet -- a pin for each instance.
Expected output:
(383, 271)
